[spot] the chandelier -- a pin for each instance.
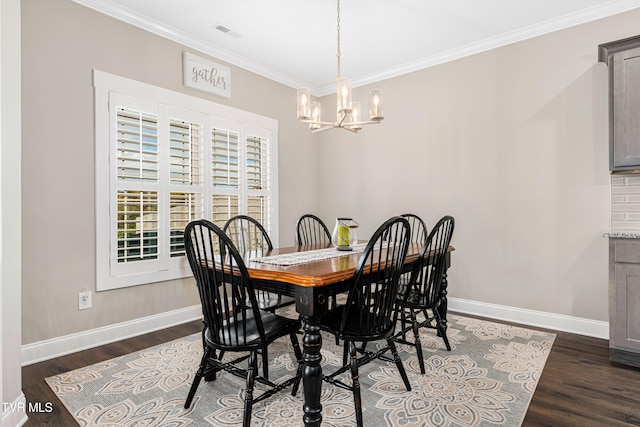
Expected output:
(349, 113)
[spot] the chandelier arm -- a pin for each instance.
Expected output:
(350, 129)
(334, 126)
(322, 129)
(367, 122)
(316, 122)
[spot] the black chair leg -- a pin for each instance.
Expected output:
(345, 351)
(396, 358)
(248, 398)
(298, 353)
(416, 338)
(265, 363)
(355, 380)
(199, 374)
(403, 321)
(213, 375)
(442, 331)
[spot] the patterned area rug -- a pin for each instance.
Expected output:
(487, 379)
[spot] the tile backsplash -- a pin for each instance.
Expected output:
(625, 203)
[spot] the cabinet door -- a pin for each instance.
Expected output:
(625, 149)
(625, 316)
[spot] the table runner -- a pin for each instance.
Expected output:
(295, 258)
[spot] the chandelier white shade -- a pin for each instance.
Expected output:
(348, 113)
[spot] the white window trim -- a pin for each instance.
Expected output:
(104, 85)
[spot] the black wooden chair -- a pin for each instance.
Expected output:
(311, 230)
(233, 321)
(418, 228)
(247, 234)
(369, 313)
(422, 293)
(418, 235)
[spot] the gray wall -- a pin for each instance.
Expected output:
(62, 42)
(512, 142)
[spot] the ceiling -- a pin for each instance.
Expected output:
(294, 42)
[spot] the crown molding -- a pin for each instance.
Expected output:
(588, 15)
(129, 16)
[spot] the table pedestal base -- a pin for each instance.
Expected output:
(312, 373)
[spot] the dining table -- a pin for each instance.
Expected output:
(312, 274)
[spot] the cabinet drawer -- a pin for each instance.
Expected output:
(627, 250)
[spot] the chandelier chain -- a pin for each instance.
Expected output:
(338, 51)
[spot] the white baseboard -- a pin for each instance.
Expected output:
(48, 349)
(44, 350)
(14, 413)
(575, 325)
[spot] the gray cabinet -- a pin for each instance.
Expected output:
(623, 59)
(624, 301)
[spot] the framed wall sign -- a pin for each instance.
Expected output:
(202, 74)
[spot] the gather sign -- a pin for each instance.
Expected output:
(202, 74)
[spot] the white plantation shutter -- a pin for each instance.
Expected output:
(137, 225)
(257, 207)
(137, 146)
(257, 163)
(164, 159)
(258, 174)
(224, 207)
(183, 208)
(186, 179)
(225, 159)
(134, 195)
(185, 152)
(225, 174)
(241, 176)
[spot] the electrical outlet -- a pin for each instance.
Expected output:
(84, 300)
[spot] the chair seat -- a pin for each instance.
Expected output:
(331, 320)
(275, 326)
(416, 299)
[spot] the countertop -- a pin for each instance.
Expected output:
(622, 234)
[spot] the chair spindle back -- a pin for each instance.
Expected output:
(223, 284)
(370, 308)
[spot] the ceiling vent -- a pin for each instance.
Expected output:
(227, 31)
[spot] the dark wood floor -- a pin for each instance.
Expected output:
(578, 387)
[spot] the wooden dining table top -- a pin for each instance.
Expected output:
(317, 273)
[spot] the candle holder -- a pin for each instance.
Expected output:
(345, 236)
(376, 105)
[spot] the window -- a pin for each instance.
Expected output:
(163, 159)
